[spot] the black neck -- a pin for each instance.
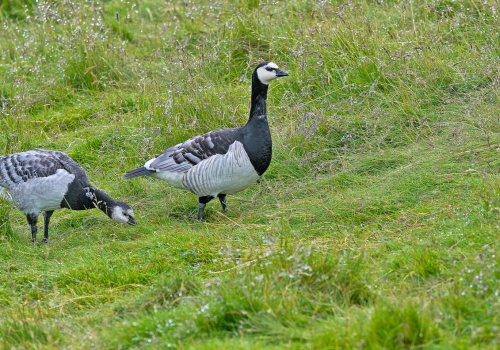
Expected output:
(102, 201)
(87, 197)
(259, 97)
(256, 137)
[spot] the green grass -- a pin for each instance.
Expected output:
(376, 226)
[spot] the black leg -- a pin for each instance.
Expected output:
(46, 220)
(32, 220)
(222, 200)
(201, 209)
(202, 204)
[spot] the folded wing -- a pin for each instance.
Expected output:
(21, 167)
(182, 157)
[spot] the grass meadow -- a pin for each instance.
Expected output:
(375, 227)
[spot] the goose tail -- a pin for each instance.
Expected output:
(137, 172)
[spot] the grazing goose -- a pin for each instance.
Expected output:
(221, 162)
(40, 180)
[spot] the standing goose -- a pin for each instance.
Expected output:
(224, 161)
(40, 180)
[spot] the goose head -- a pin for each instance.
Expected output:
(121, 212)
(267, 71)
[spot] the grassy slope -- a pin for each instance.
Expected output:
(376, 226)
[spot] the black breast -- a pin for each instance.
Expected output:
(79, 196)
(256, 138)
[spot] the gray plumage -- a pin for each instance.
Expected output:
(223, 161)
(43, 181)
(228, 173)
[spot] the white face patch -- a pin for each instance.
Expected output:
(264, 75)
(119, 215)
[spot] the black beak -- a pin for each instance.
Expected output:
(280, 73)
(131, 221)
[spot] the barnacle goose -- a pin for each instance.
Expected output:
(221, 162)
(40, 180)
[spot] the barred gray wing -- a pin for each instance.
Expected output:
(182, 157)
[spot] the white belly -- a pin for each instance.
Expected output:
(172, 178)
(223, 173)
(40, 194)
